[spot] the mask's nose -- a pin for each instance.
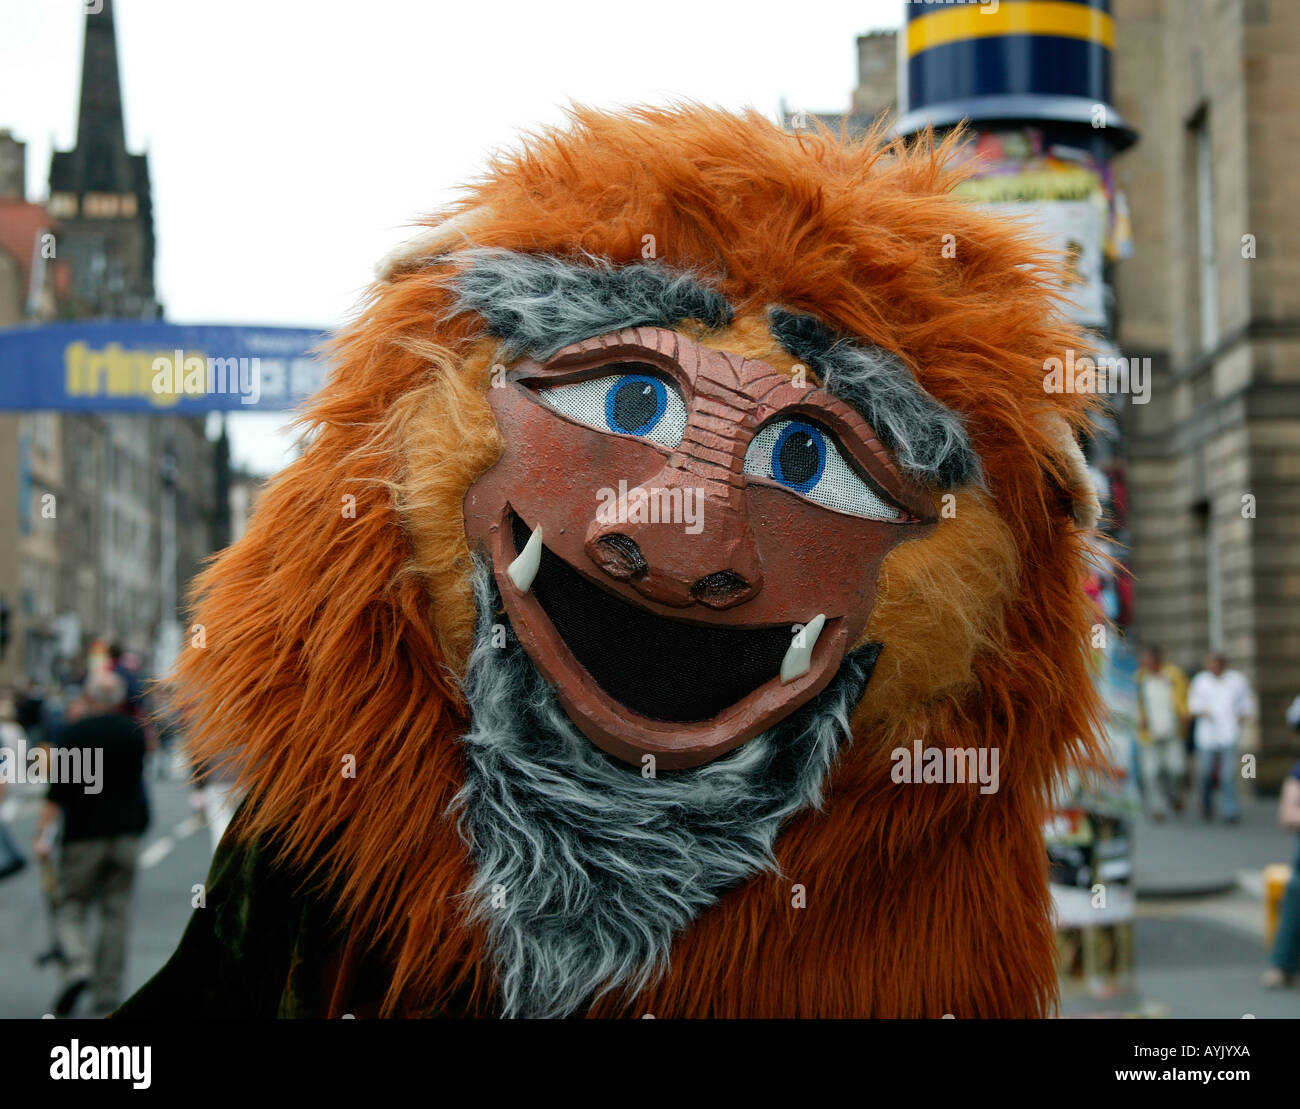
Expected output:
(701, 549)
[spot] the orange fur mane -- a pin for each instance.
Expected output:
(338, 627)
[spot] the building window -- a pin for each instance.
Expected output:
(1206, 283)
(62, 206)
(1213, 580)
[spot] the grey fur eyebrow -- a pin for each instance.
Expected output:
(539, 304)
(928, 440)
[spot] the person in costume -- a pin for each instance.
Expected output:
(672, 489)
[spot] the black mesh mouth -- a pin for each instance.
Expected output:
(663, 669)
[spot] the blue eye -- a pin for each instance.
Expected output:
(804, 458)
(627, 404)
(635, 404)
(799, 456)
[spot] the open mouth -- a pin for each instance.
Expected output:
(663, 669)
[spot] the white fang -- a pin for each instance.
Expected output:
(798, 657)
(524, 568)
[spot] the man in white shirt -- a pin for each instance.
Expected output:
(1221, 701)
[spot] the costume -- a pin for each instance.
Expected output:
(673, 492)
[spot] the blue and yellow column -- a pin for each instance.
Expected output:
(1033, 80)
(1012, 62)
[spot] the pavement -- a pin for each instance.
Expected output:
(1184, 856)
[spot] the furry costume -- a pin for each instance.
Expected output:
(497, 848)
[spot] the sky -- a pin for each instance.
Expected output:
(291, 145)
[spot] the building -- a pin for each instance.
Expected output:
(100, 194)
(1210, 292)
(1212, 295)
(876, 93)
(134, 503)
(245, 490)
(31, 463)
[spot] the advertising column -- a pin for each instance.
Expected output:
(1031, 78)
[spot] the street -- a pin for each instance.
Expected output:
(1202, 959)
(174, 856)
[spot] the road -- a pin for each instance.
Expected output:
(174, 856)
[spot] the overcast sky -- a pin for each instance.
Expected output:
(291, 144)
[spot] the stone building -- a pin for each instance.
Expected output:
(100, 194)
(1211, 293)
(877, 89)
(31, 462)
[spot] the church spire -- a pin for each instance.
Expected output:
(101, 134)
(99, 163)
(98, 181)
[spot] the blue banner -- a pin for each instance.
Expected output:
(130, 366)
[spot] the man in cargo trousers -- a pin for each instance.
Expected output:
(97, 785)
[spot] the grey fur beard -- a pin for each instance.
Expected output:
(585, 869)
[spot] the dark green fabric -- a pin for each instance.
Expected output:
(266, 945)
(261, 946)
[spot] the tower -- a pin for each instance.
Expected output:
(99, 193)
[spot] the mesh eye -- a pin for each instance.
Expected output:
(803, 458)
(640, 404)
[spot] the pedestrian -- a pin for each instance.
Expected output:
(118, 665)
(1286, 947)
(1162, 719)
(1221, 700)
(137, 705)
(31, 712)
(102, 824)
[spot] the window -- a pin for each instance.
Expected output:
(1203, 170)
(1213, 581)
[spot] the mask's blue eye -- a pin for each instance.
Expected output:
(639, 404)
(804, 458)
(635, 403)
(799, 456)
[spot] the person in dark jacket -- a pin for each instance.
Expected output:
(97, 785)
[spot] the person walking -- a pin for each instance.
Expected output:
(1221, 700)
(136, 707)
(102, 824)
(1162, 719)
(30, 710)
